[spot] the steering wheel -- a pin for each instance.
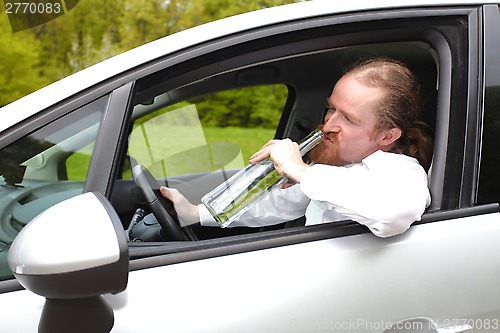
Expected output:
(163, 209)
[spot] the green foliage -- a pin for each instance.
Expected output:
(95, 30)
(20, 66)
(249, 107)
(217, 9)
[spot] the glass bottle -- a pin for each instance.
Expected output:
(231, 199)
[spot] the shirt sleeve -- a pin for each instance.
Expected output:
(386, 192)
(279, 206)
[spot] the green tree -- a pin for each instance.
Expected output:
(94, 33)
(217, 9)
(259, 106)
(144, 21)
(97, 29)
(20, 67)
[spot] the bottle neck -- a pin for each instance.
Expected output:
(310, 141)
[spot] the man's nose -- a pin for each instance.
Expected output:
(331, 124)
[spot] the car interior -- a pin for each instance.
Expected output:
(309, 77)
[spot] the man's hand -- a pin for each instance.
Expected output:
(286, 157)
(187, 212)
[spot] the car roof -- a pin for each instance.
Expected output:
(86, 78)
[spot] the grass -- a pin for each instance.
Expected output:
(181, 150)
(248, 139)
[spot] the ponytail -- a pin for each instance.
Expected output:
(417, 142)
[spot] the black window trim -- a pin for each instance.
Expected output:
(105, 162)
(489, 41)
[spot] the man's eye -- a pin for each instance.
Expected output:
(349, 120)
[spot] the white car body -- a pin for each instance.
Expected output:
(442, 275)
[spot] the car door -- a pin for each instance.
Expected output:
(439, 274)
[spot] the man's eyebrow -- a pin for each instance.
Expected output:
(351, 116)
(347, 114)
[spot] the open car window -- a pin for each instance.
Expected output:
(195, 137)
(195, 144)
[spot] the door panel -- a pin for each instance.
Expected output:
(360, 283)
(443, 270)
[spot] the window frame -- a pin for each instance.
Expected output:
(450, 96)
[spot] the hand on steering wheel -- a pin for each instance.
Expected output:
(163, 209)
(187, 213)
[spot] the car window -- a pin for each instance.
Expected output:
(194, 142)
(206, 133)
(44, 168)
(308, 64)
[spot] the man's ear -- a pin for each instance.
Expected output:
(390, 136)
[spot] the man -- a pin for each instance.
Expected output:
(369, 167)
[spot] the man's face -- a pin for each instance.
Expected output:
(349, 124)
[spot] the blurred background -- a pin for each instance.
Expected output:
(94, 30)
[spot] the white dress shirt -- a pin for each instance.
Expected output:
(386, 192)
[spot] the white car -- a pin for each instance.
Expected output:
(97, 260)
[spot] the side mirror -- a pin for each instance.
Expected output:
(71, 254)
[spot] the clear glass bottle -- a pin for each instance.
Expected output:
(236, 195)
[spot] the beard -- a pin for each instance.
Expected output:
(327, 153)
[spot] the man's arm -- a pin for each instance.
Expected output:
(387, 192)
(279, 206)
